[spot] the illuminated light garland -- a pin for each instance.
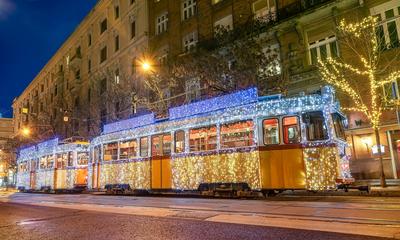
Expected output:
(66, 178)
(129, 123)
(321, 165)
(190, 169)
(213, 104)
(136, 174)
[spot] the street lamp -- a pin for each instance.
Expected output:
(26, 132)
(146, 66)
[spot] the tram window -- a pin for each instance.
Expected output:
(179, 141)
(315, 126)
(156, 145)
(110, 151)
(70, 159)
(203, 139)
(128, 149)
(237, 134)
(83, 158)
(43, 162)
(291, 130)
(23, 167)
(338, 123)
(50, 161)
(61, 161)
(271, 131)
(144, 147)
(166, 144)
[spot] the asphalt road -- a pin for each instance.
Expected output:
(20, 221)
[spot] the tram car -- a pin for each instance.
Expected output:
(53, 166)
(238, 140)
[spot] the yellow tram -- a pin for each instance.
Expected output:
(53, 166)
(269, 143)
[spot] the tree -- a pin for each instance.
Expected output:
(110, 97)
(361, 78)
(234, 59)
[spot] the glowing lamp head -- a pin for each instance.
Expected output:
(146, 66)
(26, 131)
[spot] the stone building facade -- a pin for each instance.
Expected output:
(92, 78)
(7, 154)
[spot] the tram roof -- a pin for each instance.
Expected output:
(48, 147)
(236, 99)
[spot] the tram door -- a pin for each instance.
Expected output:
(161, 176)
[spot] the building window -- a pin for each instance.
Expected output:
(315, 126)
(192, 87)
(189, 9)
(144, 146)
(391, 91)
(216, 1)
(224, 23)
(264, 10)
(323, 49)
(338, 123)
(180, 141)
(189, 41)
(128, 149)
(89, 39)
(271, 131)
(116, 12)
(133, 29)
(237, 134)
(116, 76)
(272, 55)
(388, 29)
(291, 130)
(89, 65)
(110, 152)
(103, 85)
(78, 75)
(116, 43)
(103, 54)
(162, 23)
(203, 139)
(103, 26)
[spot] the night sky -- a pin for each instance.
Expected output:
(31, 31)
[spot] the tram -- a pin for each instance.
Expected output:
(53, 166)
(268, 143)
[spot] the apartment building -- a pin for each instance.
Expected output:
(92, 78)
(7, 155)
(304, 31)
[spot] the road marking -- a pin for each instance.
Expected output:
(331, 226)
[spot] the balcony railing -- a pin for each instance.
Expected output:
(299, 7)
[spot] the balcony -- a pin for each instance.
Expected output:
(298, 7)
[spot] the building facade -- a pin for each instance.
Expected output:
(7, 155)
(92, 79)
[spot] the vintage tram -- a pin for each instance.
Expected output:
(269, 143)
(53, 166)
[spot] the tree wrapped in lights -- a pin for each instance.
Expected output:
(362, 76)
